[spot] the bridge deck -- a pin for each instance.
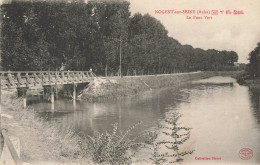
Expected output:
(18, 79)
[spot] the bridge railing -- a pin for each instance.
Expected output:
(14, 79)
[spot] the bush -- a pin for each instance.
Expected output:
(174, 137)
(110, 148)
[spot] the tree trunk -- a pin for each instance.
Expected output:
(106, 71)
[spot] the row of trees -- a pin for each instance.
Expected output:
(46, 35)
(254, 62)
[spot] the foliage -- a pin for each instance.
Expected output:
(156, 158)
(110, 148)
(45, 35)
(254, 61)
(178, 136)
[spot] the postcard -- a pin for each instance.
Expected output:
(130, 82)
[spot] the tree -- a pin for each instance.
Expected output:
(41, 35)
(254, 60)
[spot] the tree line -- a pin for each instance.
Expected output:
(253, 67)
(40, 35)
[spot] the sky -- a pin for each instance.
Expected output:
(239, 33)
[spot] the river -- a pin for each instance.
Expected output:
(224, 117)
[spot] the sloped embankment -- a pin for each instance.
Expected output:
(116, 87)
(41, 142)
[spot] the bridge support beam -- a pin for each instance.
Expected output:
(24, 97)
(74, 92)
(24, 102)
(74, 95)
(52, 95)
(52, 107)
(56, 91)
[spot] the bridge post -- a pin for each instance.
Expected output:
(56, 91)
(52, 95)
(24, 97)
(74, 91)
(74, 94)
(52, 107)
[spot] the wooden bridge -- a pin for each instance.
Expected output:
(24, 80)
(20, 79)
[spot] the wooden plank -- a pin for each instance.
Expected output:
(16, 79)
(11, 148)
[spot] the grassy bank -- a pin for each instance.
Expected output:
(115, 87)
(249, 80)
(48, 143)
(41, 142)
(253, 83)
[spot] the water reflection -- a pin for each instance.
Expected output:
(224, 116)
(255, 103)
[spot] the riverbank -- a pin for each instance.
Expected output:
(115, 87)
(248, 80)
(253, 83)
(40, 142)
(45, 143)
